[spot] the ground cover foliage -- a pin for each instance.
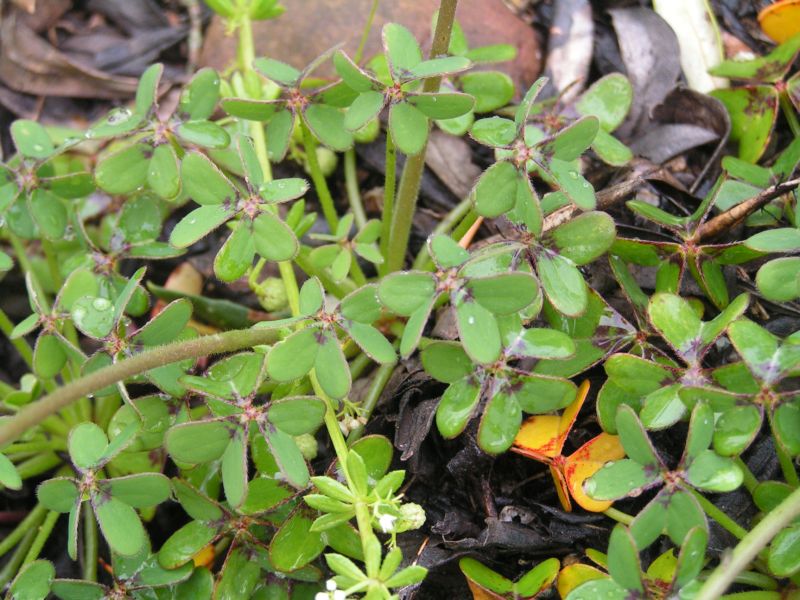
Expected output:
(367, 406)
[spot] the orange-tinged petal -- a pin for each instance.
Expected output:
(538, 438)
(574, 575)
(561, 486)
(585, 462)
(781, 20)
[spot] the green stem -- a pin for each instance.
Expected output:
(246, 49)
(789, 113)
(229, 341)
(12, 566)
(29, 522)
(750, 482)
(720, 517)
(787, 466)
(52, 264)
(749, 547)
(365, 32)
(57, 445)
(41, 463)
(415, 165)
(356, 273)
(42, 535)
(340, 290)
(22, 258)
(756, 579)
(379, 381)
(389, 184)
(22, 346)
(89, 544)
(464, 225)
(105, 408)
(456, 214)
(353, 193)
(618, 516)
(318, 177)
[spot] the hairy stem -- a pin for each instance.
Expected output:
(749, 547)
(35, 413)
(408, 191)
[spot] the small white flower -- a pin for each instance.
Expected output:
(386, 522)
(339, 595)
(330, 585)
(322, 596)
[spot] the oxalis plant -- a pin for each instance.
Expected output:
(127, 410)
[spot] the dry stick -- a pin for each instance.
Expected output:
(467, 238)
(408, 191)
(736, 214)
(605, 199)
(35, 413)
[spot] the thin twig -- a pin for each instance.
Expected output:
(736, 214)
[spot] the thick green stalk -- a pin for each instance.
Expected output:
(389, 184)
(415, 165)
(89, 544)
(318, 177)
(34, 413)
(749, 547)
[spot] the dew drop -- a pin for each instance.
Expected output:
(471, 320)
(38, 147)
(573, 174)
